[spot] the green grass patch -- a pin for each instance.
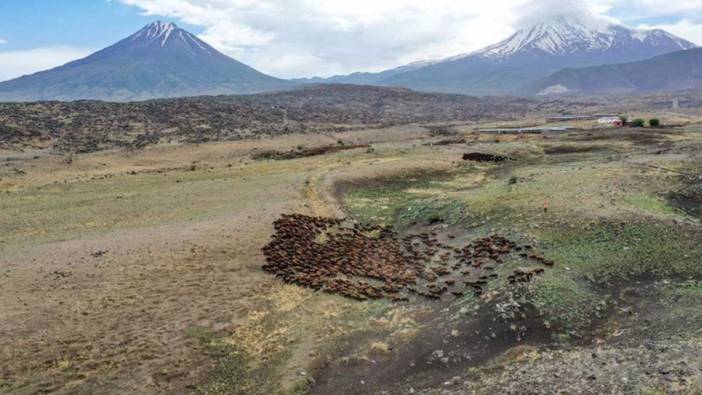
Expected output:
(431, 211)
(233, 373)
(614, 251)
(609, 252)
(652, 205)
(689, 290)
(234, 370)
(381, 200)
(5, 384)
(201, 333)
(564, 301)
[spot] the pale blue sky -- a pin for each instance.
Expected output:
(26, 24)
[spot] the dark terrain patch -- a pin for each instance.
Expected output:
(305, 152)
(639, 136)
(572, 149)
(447, 141)
(646, 344)
(688, 198)
(645, 317)
(442, 350)
(481, 157)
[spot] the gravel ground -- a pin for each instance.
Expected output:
(671, 367)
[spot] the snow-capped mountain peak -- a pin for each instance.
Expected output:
(166, 34)
(568, 35)
(156, 30)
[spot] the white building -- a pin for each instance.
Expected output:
(609, 121)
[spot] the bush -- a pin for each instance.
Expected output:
(638, 123)
(436, 131)
(431, 211)
(654, 122)
(624, 119)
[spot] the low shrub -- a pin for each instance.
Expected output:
(638, 123)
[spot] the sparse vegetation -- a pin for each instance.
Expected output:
(382, 201)
(168, 240)
(441, 130)
(234, 372)
(565, 302)
(619, 251)
(638, 123)
(431, 211)
(88, 126)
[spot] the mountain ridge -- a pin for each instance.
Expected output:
(674, 71)
(160, 60)
(533, 53)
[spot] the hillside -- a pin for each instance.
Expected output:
(676, 71)
(91, 125)
(161, 60)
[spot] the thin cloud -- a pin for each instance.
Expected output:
(3, 41)
(538, 10)
(686, 29)
(323, 37)
(638, 11)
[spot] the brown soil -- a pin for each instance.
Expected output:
(112, 313)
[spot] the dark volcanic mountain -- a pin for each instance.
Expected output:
(680, 70)
(534, 53)
(161, 60)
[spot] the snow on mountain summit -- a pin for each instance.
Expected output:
(154, 31)
(568, 35)
(167, 33)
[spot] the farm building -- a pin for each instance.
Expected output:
(612, 121)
